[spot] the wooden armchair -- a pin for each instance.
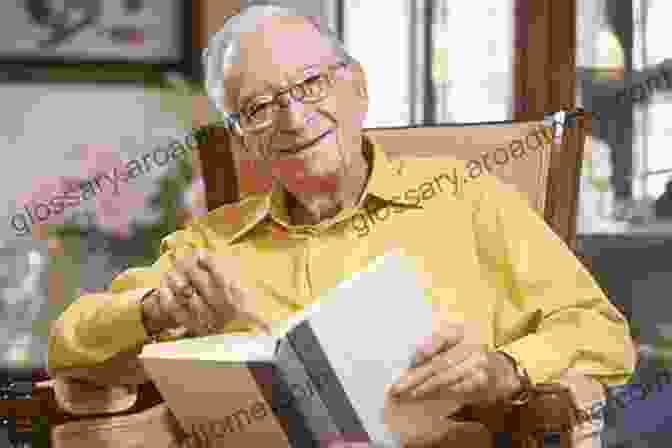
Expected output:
(549, 177)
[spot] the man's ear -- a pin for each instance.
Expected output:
(236, 144)
(359, 81)
(358, 104)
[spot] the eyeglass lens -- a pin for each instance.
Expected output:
(263, 115)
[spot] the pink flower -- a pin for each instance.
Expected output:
(44, 204)
(106, 174)
(113, 211)
(97, 160)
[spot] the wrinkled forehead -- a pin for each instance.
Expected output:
(274, 51)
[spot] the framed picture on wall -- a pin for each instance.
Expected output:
(93, 39)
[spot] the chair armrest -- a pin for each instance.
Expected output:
(111, 386)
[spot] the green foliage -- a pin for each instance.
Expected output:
(600, 184)
(663, 348)
(176, 94)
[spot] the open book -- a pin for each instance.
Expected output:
(319, 377)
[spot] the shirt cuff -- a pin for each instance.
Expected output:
(541, 360)
(96, 328)
(137, 304)
(119, 328)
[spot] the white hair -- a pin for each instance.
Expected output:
(223, 47)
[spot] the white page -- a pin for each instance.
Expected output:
(369, 327)
(220, 347)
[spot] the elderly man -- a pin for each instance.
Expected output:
(512, 297)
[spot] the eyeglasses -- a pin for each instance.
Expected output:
(260, 113)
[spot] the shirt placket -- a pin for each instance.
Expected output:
(304, 282)
(308, 261)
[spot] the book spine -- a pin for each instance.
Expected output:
(277, 390)
(333, 396)
(307, 394)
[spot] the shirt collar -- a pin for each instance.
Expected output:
(232, 221)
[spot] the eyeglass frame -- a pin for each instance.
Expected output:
(233, 120)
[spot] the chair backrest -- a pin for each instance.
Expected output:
(519, 153)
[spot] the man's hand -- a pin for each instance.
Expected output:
(451, 363)
(202, 294)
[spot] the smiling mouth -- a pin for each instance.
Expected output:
(306, 145)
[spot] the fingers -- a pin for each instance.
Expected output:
(449, 336)
(203, 300)
(217, 298)
(179, 286)
(193, 312)
(239, 297)
(176, 304)
(207, 321)
(464, 378)
(171, 307)
(196, 276)
(215, 268)
(419, 375)
(223, 304)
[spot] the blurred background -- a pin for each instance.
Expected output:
(87, 86)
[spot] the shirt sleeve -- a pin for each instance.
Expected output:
(574, 324)
(97, 327)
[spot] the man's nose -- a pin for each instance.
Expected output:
(292, 115)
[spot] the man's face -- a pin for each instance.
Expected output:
(311, 147)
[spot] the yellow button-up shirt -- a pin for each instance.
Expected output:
(486, 256)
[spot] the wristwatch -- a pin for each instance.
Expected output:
(523, 396)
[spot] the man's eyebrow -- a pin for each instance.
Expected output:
(269, 86)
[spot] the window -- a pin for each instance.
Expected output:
(378, 37)
(622, 49)
(426, 64)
